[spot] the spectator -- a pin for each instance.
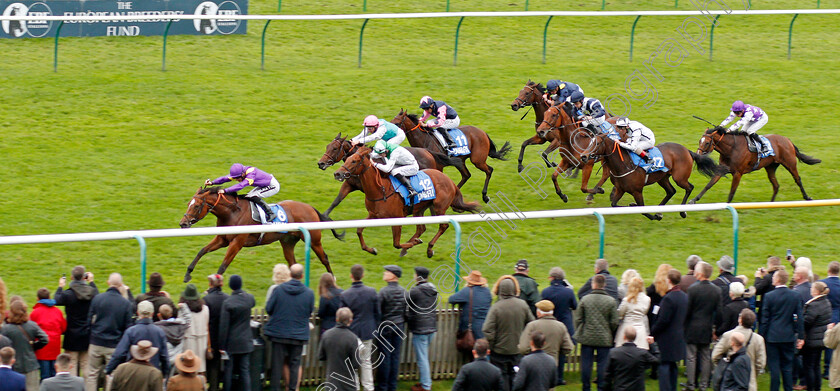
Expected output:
(330, 301)
(633, 314)
(611, 286)
(626, 277)
(422, 321)
(143, 330)
(280, 275)
(731, 311)
(289, 309)
(688, 279)
(391, 331)
(754, 344)
(703, 310)
(596, 320)
(736, 374)
(528, 287)
(63, 380)
(669, 331)
(9, 379)
(474, 301)
(175, 329)
(503, 327)
(338, 348)
(156, 296)
(110, 315)
(627, 363)
(235, 340)
(479, 375)
(557, 344)
(195, 339)
(806, 263)
(832, 281)
(831, 341)
(364, 303)
(764, 278)
(26, 338)
(562, 296)
(76, 301)
(214, 298)
(726, 266)
(51, 320)
(802, 284)
(187, 379)
(782, 328)
(536, 371)
(817, 314)
(656, 291)
(139, 373)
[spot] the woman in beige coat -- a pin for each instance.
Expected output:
(832, 341)
(633, 313)
(195, 338)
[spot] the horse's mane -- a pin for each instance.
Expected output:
(215, 189)
(413, 117)
(724, 133)
(539, 86)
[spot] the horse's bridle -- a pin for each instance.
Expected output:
(713, 142)
(616, 148)
(522, 102)
(202, 203)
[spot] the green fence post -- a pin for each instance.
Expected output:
(307, 240)
(457, 32)
(818, 3)
(447, 5)
(279, 3)
(603, 4)
(734, 236)
(790, 33)
(601, 227)
(142, 243)
(361, 34)
(262, 51)
(545, 33)
(457, 252)
(55, 52)
(676, 3)
(526, 5)
(712, 37)
(364, 6)
(165, 34)
(632, 33)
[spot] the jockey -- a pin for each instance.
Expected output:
(557, 91)
(639, 137)
(591, 112)
(752, 119)
(265, 185)
(379, 129)
(445, 118)
(398, 162)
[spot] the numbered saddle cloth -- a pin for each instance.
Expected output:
(768, 148)
(657, 163)
(279, 212)
(461, 146)
(421, 183)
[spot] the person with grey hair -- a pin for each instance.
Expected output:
(731, 311)
(754, 344)
(110, 315)
(688, 279)
(560, 293)
(611, 287)
(76, 300)
(704, 309)
(726, 267)
(802, 282)
(338, 348)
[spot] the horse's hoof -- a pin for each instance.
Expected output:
(590, 199)
(599, 190)
(563, 197)
(373, 251)
(692, 202)
(520, 168)
(657, 216)
(683, 214)
(419, 241)
(632, 204)
(403, 252)
(808, 198)
(430, 253)
(187, 278)
(485, 198)
(552, 164)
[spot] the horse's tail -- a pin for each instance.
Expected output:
(707, 166)
(805, 158)
(460, 206)
(323, 217)
(500, 154)
(445, 160)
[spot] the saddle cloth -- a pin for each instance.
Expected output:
(768, 147)
(421, 183)
(461, 146)
(657, 163)
(258, 214)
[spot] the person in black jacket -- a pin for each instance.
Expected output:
(329, 302)
(764, 279)
(289, 308)
(422, 321)
(669, 331)
(391, 331)
(364, 303)
(214, 298)
(110, 315)
(817, 317)
(479, 375)
(537, 370)
(76, 301)
(726, 266)
(156, 295)
(235, 335)
(704, 310)
(626, 365)
(736, 375)
(338, 348)
(611, 287)
(783, 330)
(732, 310)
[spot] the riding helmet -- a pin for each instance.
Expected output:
(623, 122)
(371, 120)
(236, 170)
(738, 106)
(380, 148)
(576, 96)
(426, 102)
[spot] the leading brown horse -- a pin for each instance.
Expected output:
(382, 201)
(481, 146)
(736, 156)
(233, 209)
(532, 95)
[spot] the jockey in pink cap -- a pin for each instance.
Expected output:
(379, 129)
(752, 119)
(265, 185)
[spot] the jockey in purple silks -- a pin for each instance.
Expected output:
(265, 185)
(752, 119)
(445, 118)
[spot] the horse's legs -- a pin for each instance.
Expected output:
(346, 188)
(465, 173)
(685, 184)
(791, 167)
(736, 179)
(711, 183)
(605, 174)
(318, 248)
(531, 141)
(551, 148)
(669, 189)
(396, 231)
(420, 230)
(640, 201)
(289, 251)
(488, 172)
(441, 229)
(233, 249)
(215, 244)
(554, 175)
(616, 195)
(771, 175)
(362, 238)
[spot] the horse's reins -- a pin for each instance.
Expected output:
(211, 207)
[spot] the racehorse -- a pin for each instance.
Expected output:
(234, 209)
(480, 144)
(339, 149)
(629, 178)
(735, 154)
(532, 95)
(382, 201)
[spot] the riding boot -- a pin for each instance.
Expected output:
(645, 156)
(593, 129)
(758, 141)
(407, 184)
(449, 143)
(269, 214)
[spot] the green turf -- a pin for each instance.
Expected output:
(110, 142)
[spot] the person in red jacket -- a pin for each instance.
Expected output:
(51, 320)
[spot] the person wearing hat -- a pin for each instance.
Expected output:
(155, 295)
(214, 298)
(110, 315)
(422, 321)
(143, 330)
(188, 364)
(474, 301)
(195, 338)
(528, 287)
(235, 335)
(726, 266)
(391, 329)
(139, 373)
(558, 342)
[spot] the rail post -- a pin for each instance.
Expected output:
(142, 243)
(603, 4)
(55, 52)
(545, 34)
(165, 34)
(361, 35)
(457, 253)
(712, 37)
(307, 240)
(262, 48)
(364, 6)
(526, 5)
(633, 33)
(790, 33)
(601, 227)
(457, 32)
(734, 236)
(676, 3)
(279, 3)
(447, 5)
